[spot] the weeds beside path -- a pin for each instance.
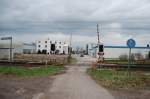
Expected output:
(119, 79)
(135, 86)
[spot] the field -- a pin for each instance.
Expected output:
(50, 59)
(117, 61)
(120, 79)
(121, 85)
(34, 65)
(28, 72)
(35, 60)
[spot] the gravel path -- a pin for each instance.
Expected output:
(75, 84)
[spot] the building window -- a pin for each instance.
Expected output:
(39, 41)
(55, 42)
(59, 42)
(50, 41)
(45, 41)
(39, 45)
(45, 46)
(59, 46)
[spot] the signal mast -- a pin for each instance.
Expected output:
(100, 48)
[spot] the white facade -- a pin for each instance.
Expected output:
(18, 48)
(52, 46)
(115, 52)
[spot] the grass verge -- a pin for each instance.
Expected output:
(140, 62)
(119, 80)
(27, 72)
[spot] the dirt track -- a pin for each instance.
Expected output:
(75, 84)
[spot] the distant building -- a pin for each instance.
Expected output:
(17, 48)
(92, 50)
(48, 46)
(29, 48)
(116, 51)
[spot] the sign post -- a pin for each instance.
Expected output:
(129, 60)
(131, 44)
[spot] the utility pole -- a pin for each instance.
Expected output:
(149, 55)
(98, 40)
(87, 48)
(70, 48)
(69, 57)
(98, 33)
(100, 48)
(11, 50)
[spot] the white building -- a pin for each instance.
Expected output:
(116, 51)
(18, 48)
(48, 46)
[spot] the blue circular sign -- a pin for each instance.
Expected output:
(131, 43)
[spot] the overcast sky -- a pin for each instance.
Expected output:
(28, 20)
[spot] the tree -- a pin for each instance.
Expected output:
(149, 55)
(39, 52)
(123, 57)
(138, 56)
(44, 51)
(77, 50)
(132, 57)
(87, 48)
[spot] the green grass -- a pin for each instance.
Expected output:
(116, 62)
(126, 62)
(27, 72)
(119, 79)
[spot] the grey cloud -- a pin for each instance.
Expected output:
(78, 17)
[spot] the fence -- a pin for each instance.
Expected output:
(37, 59)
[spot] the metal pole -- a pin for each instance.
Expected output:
(11, 49)
(69, 57)
(98, 33)
(129, 61)
(98, 41)
(71, 40)
(70, 48)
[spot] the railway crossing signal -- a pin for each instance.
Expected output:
(100, 47)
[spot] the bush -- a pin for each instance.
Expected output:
(44, 51)
(123, 57)
(39, 52)
(138, 56)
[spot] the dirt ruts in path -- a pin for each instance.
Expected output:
(76, 84)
